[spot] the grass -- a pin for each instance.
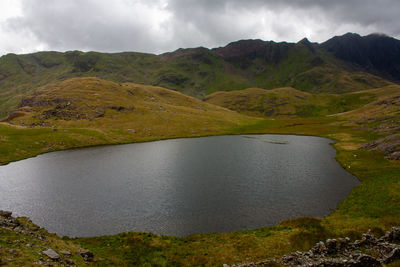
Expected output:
(372, 205)
(20, 249)
(288, 101)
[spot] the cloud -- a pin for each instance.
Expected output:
(163, 25)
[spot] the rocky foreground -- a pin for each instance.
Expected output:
(390, 145)
(22, 243)
(369, 251)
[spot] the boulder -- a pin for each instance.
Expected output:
(86, 255)
(393, 236)
(394, 256)
(51, 254)
(5, 213)
(331, 246)
(367, 261)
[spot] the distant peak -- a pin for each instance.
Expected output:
(378, 35)
(351, 34)
(304, 41)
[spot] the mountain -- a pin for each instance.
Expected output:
(375, 53)
(343, 64)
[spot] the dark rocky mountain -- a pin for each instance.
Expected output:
(243, 52)
(375, 53)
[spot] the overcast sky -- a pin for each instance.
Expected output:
(157, 26)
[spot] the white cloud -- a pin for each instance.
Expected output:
(163, 25)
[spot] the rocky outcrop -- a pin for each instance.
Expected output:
(29, 236)
(390, 145)
(369, 251)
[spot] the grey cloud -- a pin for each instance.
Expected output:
(164, 25)
(75, 24)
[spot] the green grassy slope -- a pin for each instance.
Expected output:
(196, 72)
(288, 102)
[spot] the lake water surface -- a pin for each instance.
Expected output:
(177, 187)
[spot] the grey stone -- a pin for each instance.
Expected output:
(394, 256)
(51, 254)
(366, 260)
(65, 252)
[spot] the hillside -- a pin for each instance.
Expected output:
(288, 102)
(90, 111)
(310, 67)
(95, 103)
(374, 111)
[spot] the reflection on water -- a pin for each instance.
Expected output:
(177, 187)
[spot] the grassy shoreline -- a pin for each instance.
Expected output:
(372, 205)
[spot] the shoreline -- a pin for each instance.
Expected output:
(245, 135)
(352, 216)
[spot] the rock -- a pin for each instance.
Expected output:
(319, 248)
(13, 251)
(131, 130)
(118, 108)
(331, 246)
(393, 235)
(343, 243)
(65, 252)
(342, 252)
(69, 262)
(366, 261)
(394, 256)
(86, 255)
(369, 238)
(6, 214)
(51, 254)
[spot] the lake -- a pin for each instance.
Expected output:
(177, 187)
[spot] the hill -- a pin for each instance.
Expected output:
(288, 101)
(95, 103)
(331, 67)
(90, 111)
(374, 111)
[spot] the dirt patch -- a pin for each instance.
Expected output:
(348, 145)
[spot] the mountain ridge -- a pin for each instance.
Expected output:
(306, 66)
